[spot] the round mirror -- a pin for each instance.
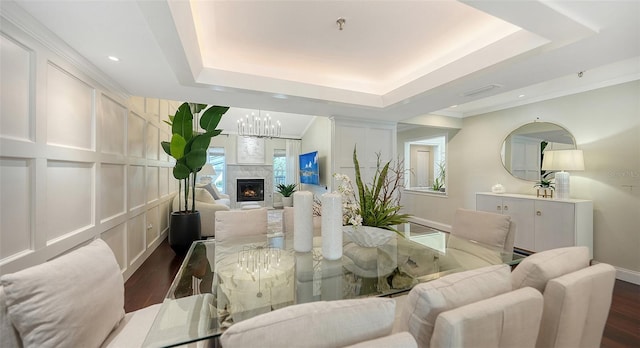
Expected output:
(523, 149)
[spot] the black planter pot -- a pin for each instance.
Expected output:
(184, 229)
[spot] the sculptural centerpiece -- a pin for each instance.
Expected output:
(369, 216)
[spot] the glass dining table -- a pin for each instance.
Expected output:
(223, 282)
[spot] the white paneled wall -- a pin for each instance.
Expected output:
(370, 138)
(77, 161)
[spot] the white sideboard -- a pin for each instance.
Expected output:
(543, 223)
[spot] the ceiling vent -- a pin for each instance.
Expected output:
(480, 90)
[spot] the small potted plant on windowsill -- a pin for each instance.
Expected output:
(287, 190)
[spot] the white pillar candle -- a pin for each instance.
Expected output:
(302, 221)
(331, 226)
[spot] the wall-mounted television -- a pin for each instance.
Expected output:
(309, 169)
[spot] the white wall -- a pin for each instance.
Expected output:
(369, 138)
(77, 161)
(315, 139)
(606, 126)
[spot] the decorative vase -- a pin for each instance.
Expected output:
(183, 231)
(367, 236)
(287, 201)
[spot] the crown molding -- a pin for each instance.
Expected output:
(11, 12)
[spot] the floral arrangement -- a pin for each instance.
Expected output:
(376, 204)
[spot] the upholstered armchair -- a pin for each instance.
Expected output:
(75, 300)
(207, 205)
(577, 297)
(478, 239)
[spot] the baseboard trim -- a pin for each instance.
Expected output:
(626, 275)
(430, 223)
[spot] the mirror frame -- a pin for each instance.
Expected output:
(529, 145)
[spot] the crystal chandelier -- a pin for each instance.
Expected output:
(259, 127)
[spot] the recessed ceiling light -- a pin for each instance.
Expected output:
(453, 106)
(114, 58)
(521, 95)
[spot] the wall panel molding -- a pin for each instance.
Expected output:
(78, 161)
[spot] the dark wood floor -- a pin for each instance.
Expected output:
(150, 283)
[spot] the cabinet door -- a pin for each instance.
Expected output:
(491, 204)
(554, 224)
(521, 213)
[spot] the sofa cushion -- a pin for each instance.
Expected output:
(74, 300)
(316, 324)
(427, 300)
(537, 269)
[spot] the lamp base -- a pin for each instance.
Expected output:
(562, 185)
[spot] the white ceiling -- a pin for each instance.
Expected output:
(394, 60)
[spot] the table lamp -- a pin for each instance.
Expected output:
(206, 173)
(562, 160)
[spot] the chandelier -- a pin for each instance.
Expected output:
(259, 127)
(255, 260)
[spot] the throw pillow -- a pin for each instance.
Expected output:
(211, 188)
(202, 195)
(427, 300)
(74, 300)
(319, 324)
(537, 269)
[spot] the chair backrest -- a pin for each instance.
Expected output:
(239, 223)
(491, 229)
(537, 269)
(428, 300)
(508, 320)
(576, 307)
(318, 324)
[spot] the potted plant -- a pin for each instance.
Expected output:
(374, 205)
(545, 186)
(286, 190)
(438, 183)
(189, 148)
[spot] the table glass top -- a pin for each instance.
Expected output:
(221, 283)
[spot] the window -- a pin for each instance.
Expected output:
(425, 161)
(279, 167)
(217, 160)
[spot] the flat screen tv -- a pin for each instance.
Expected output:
(309, 171)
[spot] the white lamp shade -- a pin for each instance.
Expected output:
(563, 160)
(207, 169)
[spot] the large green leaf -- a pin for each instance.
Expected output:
(181, 171)
(212, 116)
(196, 158)
(201, 141)
(166, 146)
(183, 122)
(177, 146)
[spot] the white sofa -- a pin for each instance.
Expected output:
(75, 300)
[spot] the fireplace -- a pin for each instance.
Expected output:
(250, 190)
